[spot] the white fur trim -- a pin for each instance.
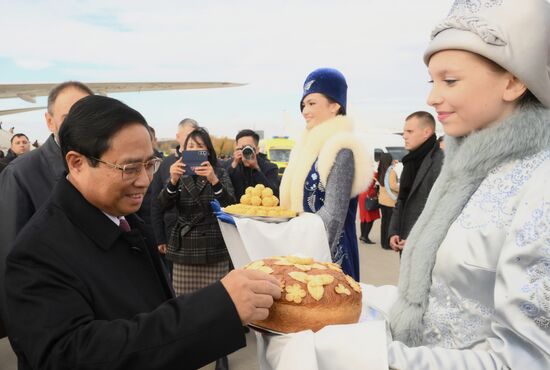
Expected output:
(362, 162)
(323, 142)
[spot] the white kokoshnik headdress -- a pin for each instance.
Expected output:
(512, 33)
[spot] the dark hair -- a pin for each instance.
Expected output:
(54, 93)
(248, 132)
(202, 133)
(425, 117)
(91, 124)
(2, 155)
(383, 165)
(18, 135)
(341, 111)
(528, 99)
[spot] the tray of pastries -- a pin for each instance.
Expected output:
(259, 203)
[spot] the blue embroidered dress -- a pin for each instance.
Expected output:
(345, 252)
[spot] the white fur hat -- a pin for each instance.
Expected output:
(512, 33)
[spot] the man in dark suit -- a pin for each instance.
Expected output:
(421, 168)
(85, 285)
(144, 211)
(249, 167)
(28, 181)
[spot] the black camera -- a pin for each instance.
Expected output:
(248, 152)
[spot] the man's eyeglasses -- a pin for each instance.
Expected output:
(131, 171)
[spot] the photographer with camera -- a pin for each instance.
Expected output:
(249, 167)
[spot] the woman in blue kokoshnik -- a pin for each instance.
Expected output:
(328, 166)
(474, 284)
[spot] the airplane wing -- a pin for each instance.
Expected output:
(5, 112)
(29, 92)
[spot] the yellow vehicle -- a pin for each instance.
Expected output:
(277, 149)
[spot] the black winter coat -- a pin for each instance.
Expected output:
(163, 219)
(24, 186)
(243, 177)
(406, 213)
(202, 243)
(82, 294)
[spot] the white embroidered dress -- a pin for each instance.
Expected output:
(489, 303)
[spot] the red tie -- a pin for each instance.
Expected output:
(124, 225)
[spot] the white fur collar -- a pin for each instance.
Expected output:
(467, 162)
(323, 142)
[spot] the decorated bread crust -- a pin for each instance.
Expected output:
(313, 294)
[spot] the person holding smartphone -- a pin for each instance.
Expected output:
(196, 245)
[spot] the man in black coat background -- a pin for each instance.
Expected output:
(19, 145)
(28, 180)
(421, 167)
(249, 167)
(85, 286)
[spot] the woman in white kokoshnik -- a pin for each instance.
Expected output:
(474, 288)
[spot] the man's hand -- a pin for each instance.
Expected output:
(252, 293)
(402, 244)
(395, 243)
(237, 157)
(162, 248)
(251, 163)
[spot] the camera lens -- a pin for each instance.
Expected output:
(248, 152)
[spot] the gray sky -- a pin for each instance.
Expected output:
(272, 46)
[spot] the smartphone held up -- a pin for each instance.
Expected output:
(193, 159)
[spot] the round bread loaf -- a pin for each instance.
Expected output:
(313, 294)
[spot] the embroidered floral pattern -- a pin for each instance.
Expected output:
(473, 6)
(454, 322)
(314, 190)
(536, 228)
(463, 16)
(537, 307)
(496, 196)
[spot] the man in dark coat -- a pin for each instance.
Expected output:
(85, 286)
(249, 167)
(421, 168)
(144, 211)
(19, 145)
(163, 220)
(28, 181)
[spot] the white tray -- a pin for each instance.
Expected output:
(273, 220)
